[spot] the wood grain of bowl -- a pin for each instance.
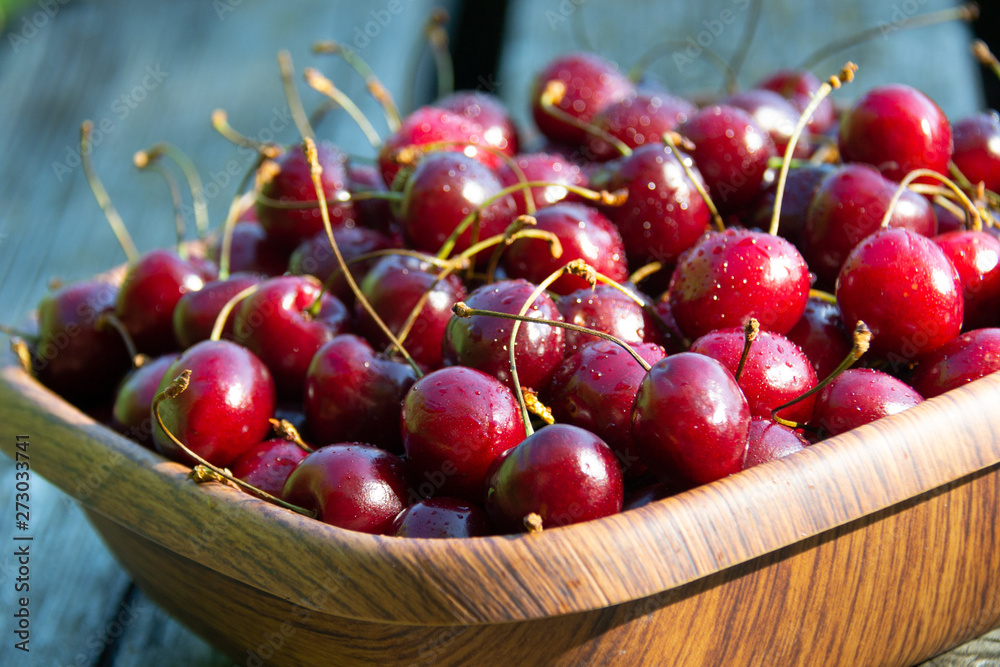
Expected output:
(879, 546)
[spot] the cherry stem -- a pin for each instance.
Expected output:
(668, 139)
(109, 319)
(20, 349)
(195, 185)
(377, 90)
(437, 40)
(227, 309)
(861, 339)
(103, 200)
(176, 387)
(986, 57)
(972, 209)
(286, 430)
(661, 49)
(175, 198)
(750, 331)
(315, 170)
(967, 12)
(536, 407)
(846, 75)
(644, 272)
(533, 523)
(17, 333)
(549, 100)
(292, 95)
(239, 203)
(519, 228)
(220, 122)
(740, 54)
(322, 84)
(822, 296)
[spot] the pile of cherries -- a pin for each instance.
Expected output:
(417, 410)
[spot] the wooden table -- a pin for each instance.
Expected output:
(149, 72)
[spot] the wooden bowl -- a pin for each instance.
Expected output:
(875, 547)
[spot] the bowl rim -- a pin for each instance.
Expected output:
(577, 568)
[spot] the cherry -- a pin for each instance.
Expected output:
(482, 341)
(441, 518)
(590, 83)
(351, 485)
(275, 323)
(77, 355)
(690, 419)
(443, 190)
(775, 115)
(798, 87)
(583, 232)
(315, 257)
(393, 287)
(252, 250)
(732, 276)
(493, 125)
(968, 357)
(977, 148)
(196, 312)
(595, 387)
(800, 188)
(775, 370)
(151, 289)
(663, 215)
(731, 152)
(907, 291)
(351, 393)
(897, 129)
(373, 213)
(948, 220)
(267, 465)
(225, 409)
(541, 168)
(821, 335)
(637, 120)
(859, 396)
(287, 227)
(770, 440)
(562, 473)
(849, 204)
(605, 309)
(455, 423)
(976, 256)
(131, 413)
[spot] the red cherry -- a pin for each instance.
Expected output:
(226, 407)
(976, 256)
(977, 148)
(542, 168)
(268, 464)
(131, 414)
(798, 87)
(375, 214)
(637, 120)
(821, 335)
(196, 312)
(773, 114)
(897, 129)
(435, 518)
(315, 257)
(252, 251)
(351, 485)
(770, 440)
(606, 309)
(800, 188)
(859, 396)
(969, 357)
(494, 126)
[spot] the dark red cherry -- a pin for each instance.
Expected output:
(664, 215)
(482, 341)
(274, 322)
(800, 187)
(494, 126)
(775, 371)
(393, 287)
(456, 422)
(351, 392)
(859, 396)
(969, 357)
(731, 276)
(637, 120)
(373, 213)
(252, 251)
(77, 356)
(731, 152)
(196, 312)
(288, 227)
(775, 115)
(653, 492)
(595, 387)
(907, 291)
(948, 219)
(976, 256)
(226, 407)
(435, 518)
(591, 84)
(849, 204)
(541, 168)
(798, 87)
(351, 485)
(562, 473)
(583, 232)
(977, 148)
(606, 309)
(690, 419)
(443, 190)
(268, 465)
(131, 414)
(821, 335)
(897, 129)
(315, 257)
(152, 287)
(770, 440)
